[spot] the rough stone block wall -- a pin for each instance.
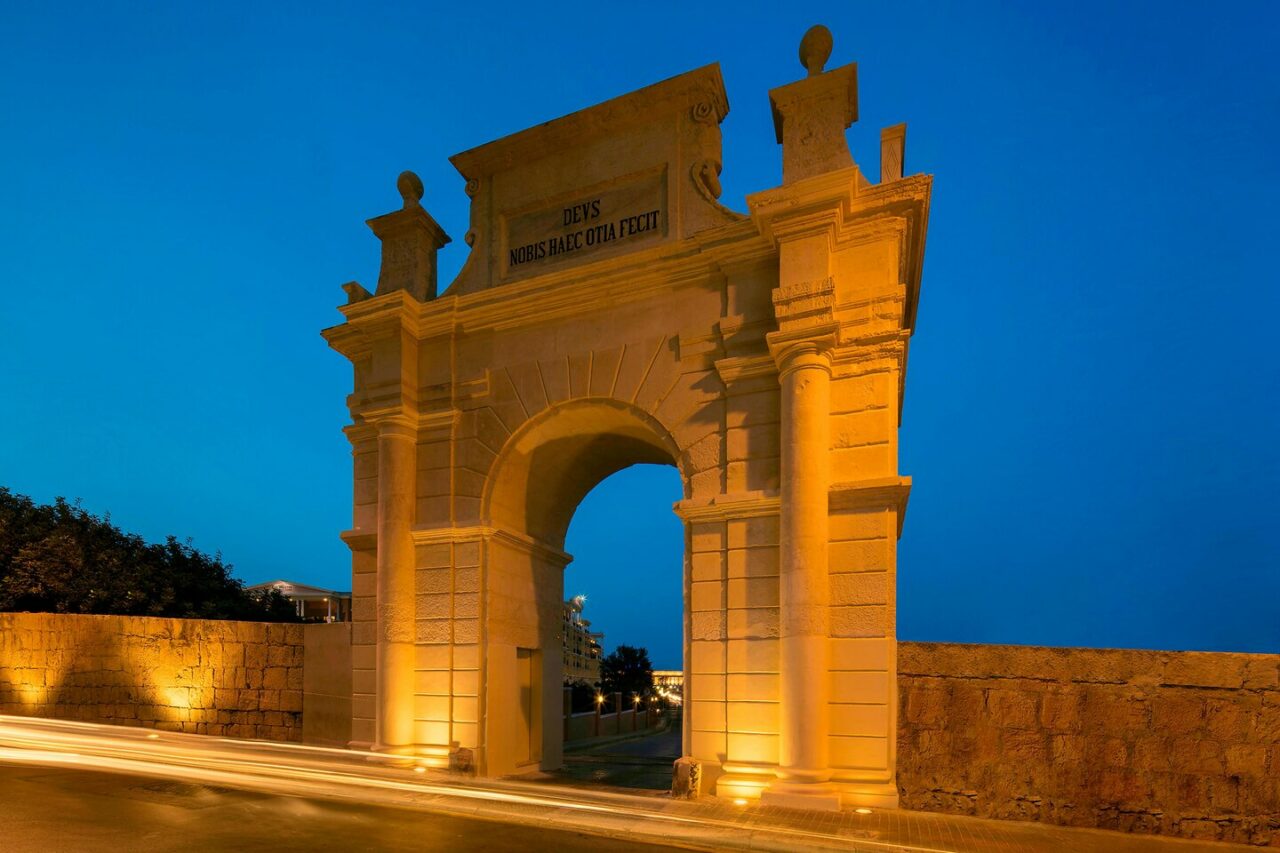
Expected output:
(1174, 743)
(240, 679)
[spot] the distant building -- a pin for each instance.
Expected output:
(313, 604)
(582, 649)
(669, 683)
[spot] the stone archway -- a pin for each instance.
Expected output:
(543, 472)
(556, 457)
(611, 311)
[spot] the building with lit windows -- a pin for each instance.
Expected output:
(669, 684)
(582, 648)
(312, 603)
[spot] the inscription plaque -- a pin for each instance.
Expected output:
(631, 214)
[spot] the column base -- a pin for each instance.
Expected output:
(739, 786)
(813, 796)
(868, 795)
(395, 756)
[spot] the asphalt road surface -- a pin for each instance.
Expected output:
(52, 810)
(644, 762)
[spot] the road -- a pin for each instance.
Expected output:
(72, 786)
(644, 762)
(53, 809)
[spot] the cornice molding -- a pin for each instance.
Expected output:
(728, 507)
(555, 295)
(359, 433)
(852, 212)
(880, 493)
(371, 319)
(439, 419)
(359, 540)
(347, 340)
(702, 86)
(482, 532)
(583, 290)
(882, 345)
(380, 306)
(747, 368)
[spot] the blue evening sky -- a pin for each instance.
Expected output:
(1092, 410)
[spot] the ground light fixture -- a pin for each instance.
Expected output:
(862, 811)
(739, 802)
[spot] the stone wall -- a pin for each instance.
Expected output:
(326, 684)
(1175, 743)
(240, 679)
(583, 727)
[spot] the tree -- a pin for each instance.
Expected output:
(627, 670)
(582, 696)
(63, 559)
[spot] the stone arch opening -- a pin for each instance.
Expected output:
(539, 479)
(550, 464)
(625, 587)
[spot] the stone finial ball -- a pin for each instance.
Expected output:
(410, 187)
(815, 49)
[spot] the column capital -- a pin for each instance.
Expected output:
(807, 329)
(392, 422)
(804, 355)
(792, 354)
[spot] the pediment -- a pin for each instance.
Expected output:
(633, 173)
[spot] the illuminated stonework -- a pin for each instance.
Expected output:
(613, 312)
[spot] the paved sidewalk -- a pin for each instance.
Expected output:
(644, 762)
(755, 827)
(375, 781)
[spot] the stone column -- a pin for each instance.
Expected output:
(804, 371)
(397, 440)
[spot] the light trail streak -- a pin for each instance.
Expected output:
(355, 775)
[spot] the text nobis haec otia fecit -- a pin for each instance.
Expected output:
(594, 232)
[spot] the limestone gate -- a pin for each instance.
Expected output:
(613, 312)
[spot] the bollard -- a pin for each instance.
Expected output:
(462, 760)
(686, 779)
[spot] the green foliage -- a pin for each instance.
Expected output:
(61, 559)
(627, 670)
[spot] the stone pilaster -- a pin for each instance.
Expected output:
(395, 585)
(804, 370)
(802, 350)
(802, 217)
